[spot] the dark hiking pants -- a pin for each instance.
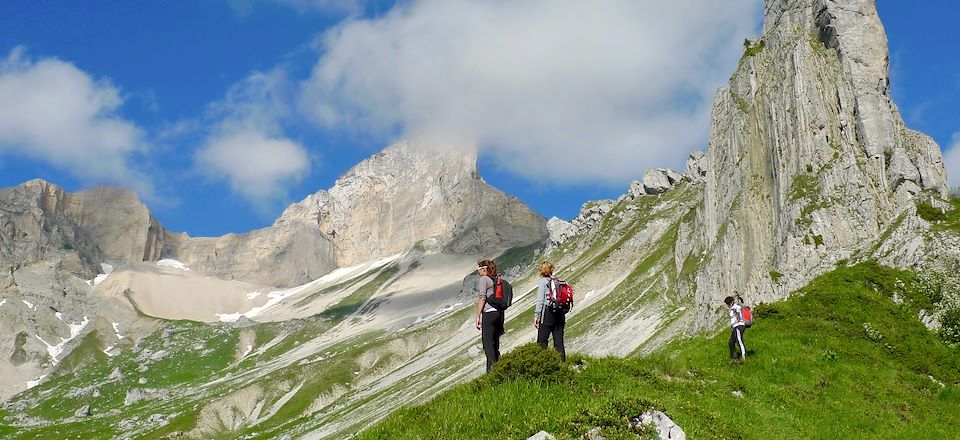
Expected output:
(555, 328)
(491, 328)
(736, 342)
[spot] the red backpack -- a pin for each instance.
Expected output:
(747, 315)
(560, 295)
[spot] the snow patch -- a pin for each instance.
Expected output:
(276, 296)
(55, 350)
(107, 270)
(229, 317)
(116, 329)
(168, 262)
(589, 294)
(29, 304)
(253, 295)
(107, 352)
(249, 349)
(3, 302)
(33, 383)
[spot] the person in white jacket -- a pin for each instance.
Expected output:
(738, 327)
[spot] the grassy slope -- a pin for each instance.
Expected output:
(815, 371)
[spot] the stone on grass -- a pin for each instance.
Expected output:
(542, 435)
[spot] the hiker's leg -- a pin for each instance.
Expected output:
(743, 348)
(558, 339)
(499, 332)
(543, 334)
(733, 342)
(488, 331)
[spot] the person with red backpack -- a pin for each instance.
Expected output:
(554, 299)
(738, 326)
(495, 295)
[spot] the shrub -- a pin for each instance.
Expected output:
(775, 276)
(529, 362)
(930, 213)
(765, 311)
(950, 325)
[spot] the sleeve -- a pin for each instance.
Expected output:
(483, 286)
(541, 296)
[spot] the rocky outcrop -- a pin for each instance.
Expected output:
(808, 156)
(400, 198)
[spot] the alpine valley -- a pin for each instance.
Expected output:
(358, 301)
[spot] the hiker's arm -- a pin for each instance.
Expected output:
(483, 285)
(480, 302)
(541, 295)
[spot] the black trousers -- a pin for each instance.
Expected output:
(491, 328)
(736, 342)
(552, 324)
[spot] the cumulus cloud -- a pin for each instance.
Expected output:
(246, 147)
(51, 111)
(602, 89)
(951, 160)
(254, 164)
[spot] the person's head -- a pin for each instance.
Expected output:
(487, 267)
(728, 301)
(546, 269)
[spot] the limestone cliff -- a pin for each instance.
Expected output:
(402, 197)
(808, 156)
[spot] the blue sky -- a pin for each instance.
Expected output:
(219, 113)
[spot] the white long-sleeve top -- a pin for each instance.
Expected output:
(736, 316)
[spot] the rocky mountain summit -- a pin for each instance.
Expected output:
(401, 197)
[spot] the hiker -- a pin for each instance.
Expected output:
(738, 327)
(489, 319)
(548, 318)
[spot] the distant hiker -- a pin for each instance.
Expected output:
(549, 316)
(489, 318)
(738, 327)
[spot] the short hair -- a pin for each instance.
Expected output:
(490, 265)
(728, 300)
(546, 268)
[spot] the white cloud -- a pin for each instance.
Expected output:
(951, 160)
(247, 147)
(52, 111)
(559, 90)
(255, 165)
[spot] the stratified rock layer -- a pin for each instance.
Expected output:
(808, 156)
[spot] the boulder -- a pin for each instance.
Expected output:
(83, 411)
(666, 429)
(659, 180)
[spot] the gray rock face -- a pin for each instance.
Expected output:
(400, 197)
(559, 230)
(696, 167)
(659, 180)
(808, 156)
